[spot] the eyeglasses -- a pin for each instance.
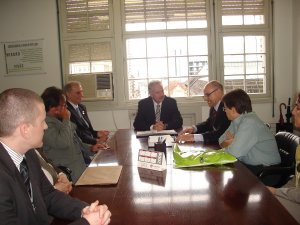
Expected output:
(208, 94)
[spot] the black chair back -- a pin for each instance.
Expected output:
(287, 144)
(280, 174)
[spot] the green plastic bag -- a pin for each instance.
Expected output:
(201, 158)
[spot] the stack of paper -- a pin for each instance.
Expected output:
(168, 139)
(155, 132)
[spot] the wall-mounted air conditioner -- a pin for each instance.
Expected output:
(98, 86)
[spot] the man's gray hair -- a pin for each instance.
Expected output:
(153, 83)
(68, 87)
(17, 106)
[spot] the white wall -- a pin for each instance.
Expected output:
(27, 20)
(36, 19)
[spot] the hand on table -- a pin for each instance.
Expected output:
(185, 138)
(63, 184)
(159, 125)
(97, 214)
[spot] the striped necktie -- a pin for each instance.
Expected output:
(157, 113)
(25, 175)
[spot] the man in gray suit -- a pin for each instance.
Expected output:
(61, 143)
(26, 196)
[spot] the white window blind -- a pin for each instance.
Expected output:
(86, 15)
(243, 12)
(164, 11)
(243, 7)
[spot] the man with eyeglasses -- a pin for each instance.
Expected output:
(210, 130)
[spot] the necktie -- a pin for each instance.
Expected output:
(81, 116)
(213, 115)
(25, 175)
(157, 113)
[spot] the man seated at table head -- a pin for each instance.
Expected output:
(61, 142)
(210, 130)
(26, 195)
(247, 138)
(157, 112)
(79, 115)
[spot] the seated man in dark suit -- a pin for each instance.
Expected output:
(74, 93)
(158, 111)
(210, 130)
(26, 195)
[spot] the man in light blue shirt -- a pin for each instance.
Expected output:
(247, 137)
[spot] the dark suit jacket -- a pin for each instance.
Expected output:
(145, 116)
(15, 204)
(212, 130)
(86, 133)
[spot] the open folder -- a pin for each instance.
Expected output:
(100, 175)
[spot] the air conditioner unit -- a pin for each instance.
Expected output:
(98, 86)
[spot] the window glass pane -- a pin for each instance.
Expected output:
(136, 48)
(255, 44)
(255, 84)
(176, 25)
(156, 26)
(157, 68)
(196, 85)
(234, 82)
(198, 45)
(79, 67)
(255, 64)
(101, 66)
(156, 47)
(137, 89)
(135, 26)
(177, 46)
(234, 64)
(254, 19)
(197, 24)
(233, 44)
(198, 66)
(232, 20)
(178, 66)
(137, 68)
(178, 87)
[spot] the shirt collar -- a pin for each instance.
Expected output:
(74, 106)
(217, 106)
(17, 158)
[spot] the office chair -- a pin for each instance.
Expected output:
(278, 175)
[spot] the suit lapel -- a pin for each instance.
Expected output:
(75, 115)
(10, 167)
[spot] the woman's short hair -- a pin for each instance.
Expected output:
(238, 99)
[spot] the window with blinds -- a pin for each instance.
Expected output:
(243, 12)
(86, 15)
(164, 14)
(178, 56)
(183, 43)
(86, 34)
(244, 29)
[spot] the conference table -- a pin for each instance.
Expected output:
(227, 194)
